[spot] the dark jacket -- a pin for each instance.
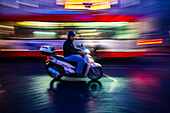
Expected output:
(69, 49)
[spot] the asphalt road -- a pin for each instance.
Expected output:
(132, 85)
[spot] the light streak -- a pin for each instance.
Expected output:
(110, 77)
(151, 41)
(105, 50)
(7, 27)
(14, 49)
(141, 50)
(59, 50)
(10, 5)
(27, 4)
(44, 33)
(113, 84)
(114, 50)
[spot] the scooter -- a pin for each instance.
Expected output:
(57, 66)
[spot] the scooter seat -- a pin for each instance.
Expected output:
(62, 59)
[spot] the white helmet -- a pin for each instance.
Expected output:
(47, 49)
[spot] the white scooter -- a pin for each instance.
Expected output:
(57, 66)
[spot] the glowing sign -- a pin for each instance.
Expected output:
(92, 7)
(101, 6)
(89, 4)
(85, 1)
(72, 6)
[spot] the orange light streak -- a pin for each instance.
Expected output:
(59, 50)
(151, 41)
(14, 49)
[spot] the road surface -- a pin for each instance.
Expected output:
(132, 85)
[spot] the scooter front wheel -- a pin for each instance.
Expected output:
(95, 73)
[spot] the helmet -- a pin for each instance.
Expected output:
(47, 49)
(71, 33)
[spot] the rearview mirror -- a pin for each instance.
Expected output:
(80, 45)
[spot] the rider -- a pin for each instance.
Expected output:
(71, 53)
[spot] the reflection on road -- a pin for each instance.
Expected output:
(119, 91)
(74, 96)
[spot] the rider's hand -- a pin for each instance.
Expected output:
(80, 52)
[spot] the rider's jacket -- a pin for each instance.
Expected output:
(69, 48)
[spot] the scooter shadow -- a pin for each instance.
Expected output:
(73, 96)
(75, 85)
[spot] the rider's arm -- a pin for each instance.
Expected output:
(78, 49)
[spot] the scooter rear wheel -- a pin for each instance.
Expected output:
(95, 73)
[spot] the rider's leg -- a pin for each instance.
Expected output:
(79, 60)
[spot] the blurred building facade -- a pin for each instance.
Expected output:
(44, 19)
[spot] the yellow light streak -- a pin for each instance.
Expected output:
(7, 27)
(135, 50)
(59, 50)
(151, 41)
(104, 50)
(159, 42)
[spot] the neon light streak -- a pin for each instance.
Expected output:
(14, 49)
(152, 41)
(59, 50)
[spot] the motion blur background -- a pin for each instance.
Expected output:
(129, 38)
(109, 28)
